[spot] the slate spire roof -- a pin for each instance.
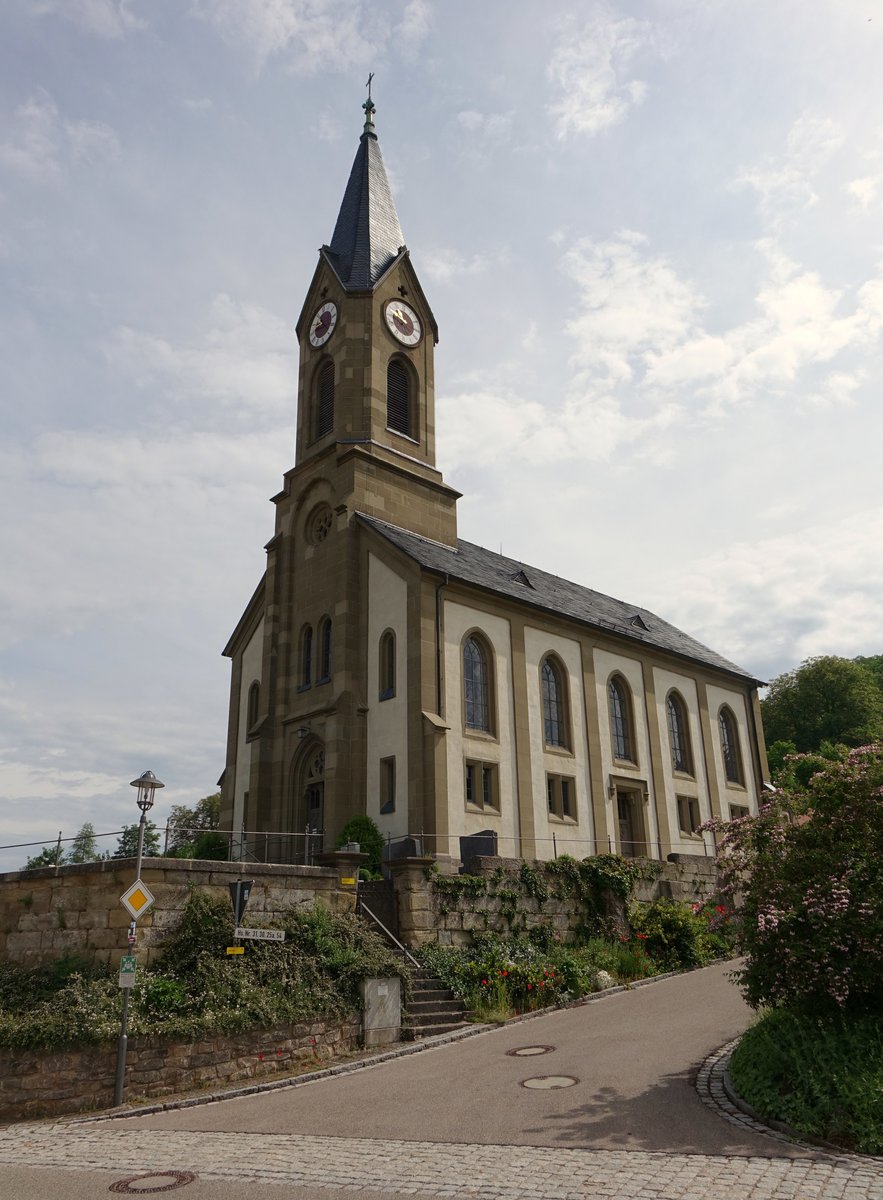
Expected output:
(367, 237)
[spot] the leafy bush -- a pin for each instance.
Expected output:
(822, 1076)
(809, 868)
(363, 830)
(679, 935)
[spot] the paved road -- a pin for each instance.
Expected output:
(456, 1121)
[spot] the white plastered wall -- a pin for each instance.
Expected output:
(676, 784)
(387, 721)
(606, 664)
(460, 619)
(252, 655)
(745, 797)
(576, 839)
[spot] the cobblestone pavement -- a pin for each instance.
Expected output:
(427, 1169)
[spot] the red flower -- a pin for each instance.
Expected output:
(642, 936)
(484, 983)
(505, 972)
(530, 987)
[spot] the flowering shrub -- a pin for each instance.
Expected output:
(809, 869)
(680, 935)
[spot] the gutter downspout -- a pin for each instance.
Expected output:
(438, 647)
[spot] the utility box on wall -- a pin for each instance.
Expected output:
(382, 1011)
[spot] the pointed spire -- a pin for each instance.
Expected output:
(367, 236)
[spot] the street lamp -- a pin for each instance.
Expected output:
(146, 783)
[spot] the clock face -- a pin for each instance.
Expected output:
(403, 323)
(322, 324)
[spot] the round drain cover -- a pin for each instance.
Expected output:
(529, 1051)
(153, 1181)
(549, 1082)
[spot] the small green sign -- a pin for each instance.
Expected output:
(127, 964)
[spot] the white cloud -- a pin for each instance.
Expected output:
(415, 25)
(316, 34)
(492, 126)
(244, 355)
(782, 599)
(590, 68)
(786, 183)
(44, 143)
(107, 19)
(442, 264)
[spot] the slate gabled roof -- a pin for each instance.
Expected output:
(367, 237)
(492, 572)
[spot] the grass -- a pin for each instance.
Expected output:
(821, 1076)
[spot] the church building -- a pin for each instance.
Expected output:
(385, 667)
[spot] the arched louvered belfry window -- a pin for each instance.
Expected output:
(399, 397)
(554, 707)
(620, 719)
(477, 699)
(324, 399)
(678, 734)
(253, 705)
(730, 747)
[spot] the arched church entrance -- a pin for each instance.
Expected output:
(307, 802)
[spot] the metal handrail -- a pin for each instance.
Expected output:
(363, 907)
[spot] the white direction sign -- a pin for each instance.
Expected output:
(137, 899)
(260, 935)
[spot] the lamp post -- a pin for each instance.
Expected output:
(146, 783)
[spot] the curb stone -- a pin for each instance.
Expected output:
(716, 1091)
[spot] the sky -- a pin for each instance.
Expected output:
(651, 237)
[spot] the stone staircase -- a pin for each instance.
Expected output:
(432, 1009)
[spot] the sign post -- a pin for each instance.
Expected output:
(239, 894)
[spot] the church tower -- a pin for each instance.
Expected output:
(365, 446)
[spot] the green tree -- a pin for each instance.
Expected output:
(193, 831)
(826, 699)
(365, 832)
(127, 846)
(49, 856)
(84, 848)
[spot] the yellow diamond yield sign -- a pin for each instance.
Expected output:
(137, 899)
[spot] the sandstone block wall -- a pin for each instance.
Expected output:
(428, 913)
(52, 911)
(49, 1083)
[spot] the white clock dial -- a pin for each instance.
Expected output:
(403, 323)
(322, 324)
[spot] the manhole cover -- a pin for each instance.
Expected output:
(547, 1083)
(153, 1181)
(529, 1051)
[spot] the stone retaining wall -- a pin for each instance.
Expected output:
(49, 1083)
(427, 914)
(52, 911)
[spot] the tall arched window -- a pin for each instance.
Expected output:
(387, 666)
(324, 671)
(554, 704)
(306, 656)
(253, 706)
(399, 389)
(620, 719)
(679, 734)
(324, 399)
(730, 747)
(476, 685)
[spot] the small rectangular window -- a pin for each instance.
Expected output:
(738, 810)
(387, 786)
(482, 786)
(688, 815)
(561, 797)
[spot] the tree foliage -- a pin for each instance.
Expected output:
(826, 699)
(84, 847)
(49, 856)
(364, 831)
(127, 846)
(809, 869)
(193, 831)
